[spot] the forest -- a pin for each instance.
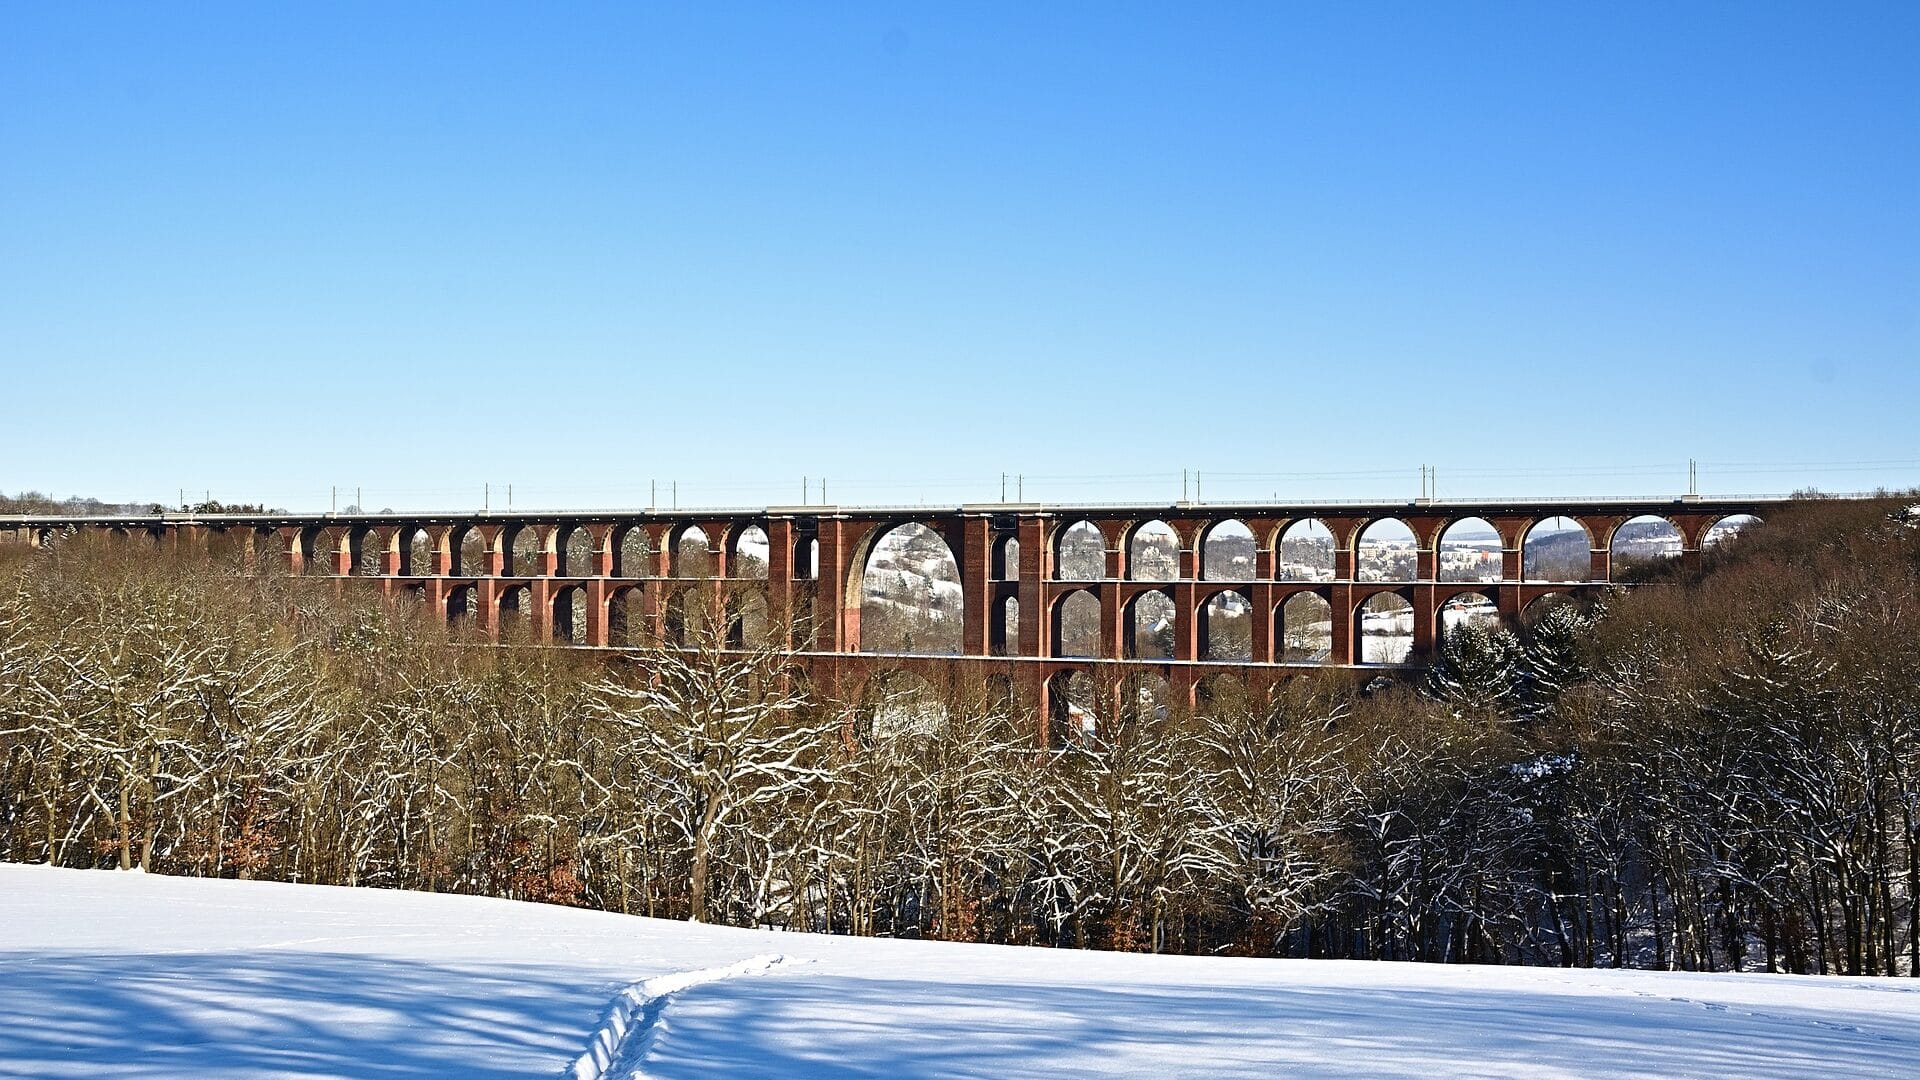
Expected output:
(1717, 768)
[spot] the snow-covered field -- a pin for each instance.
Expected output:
(109, 974)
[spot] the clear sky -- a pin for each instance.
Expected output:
(264, 251)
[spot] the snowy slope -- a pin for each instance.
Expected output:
(109, 974)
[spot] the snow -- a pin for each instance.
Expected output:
(104, 974)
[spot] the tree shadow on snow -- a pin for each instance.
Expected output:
(836, 1027)
(283, 1012)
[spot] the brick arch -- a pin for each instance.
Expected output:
(1059, 727)
(1365, 591)
(570, 614)
(1277, 543)
(1131, 536)
(508, 550)
(1206, 533)
(1276, 616)
(627, 564)
(1436, 626)
(737, 531)
(1536, 521)
(400, 553)
(1056, 536)
(675, 536)
(1615, 524)
(557, 548)
(1367, 524)
(1056, 615)
(320, 548)
(861, 550)
(1130, 620)
(623, 611)
(1204, 630)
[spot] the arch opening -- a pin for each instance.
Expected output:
(516, 614)
(1306, 629)
(910, 595)
(684, 618)
(750, 551)
(1153, 553)
(417, 551)
(570, 615)
(461, 607)
(1726, 529)
(1386, 551)
(1221, 694)
(691, 553)
(1005, 630)
(1080, 553)
(1644, 543)
(1556, 549)
(1227, 552)
(806, 558)
(623, 617)
(748, 623)
(1306, 552)
(1226, 627)
(1144, 699)
(1385, 629)
(369, 549)
(317, 547)
(1076, 624)
(520, 551)
(1470, 550)
(575, 549)
(630, 551)
(1468, 609)
(469, 549)
(1540, 605)
(1006, 558)
(1150, 627)
(1073, 717)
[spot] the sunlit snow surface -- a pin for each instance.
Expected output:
(108, 974)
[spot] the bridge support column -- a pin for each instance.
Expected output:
(1261, 594)
(596, 629)
(435, 591)
(976, 585)
(1510, 600)
(782, 538)
(540, 620)
(1426, 622)
(289, 540)
(601, 564)
(549, 558)
(1341, 645)
(1113, 628)
(1188, 634)
(486, 602)
(442, 552)
(1036, 566)
(839, 629)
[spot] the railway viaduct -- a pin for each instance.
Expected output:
(614, 580)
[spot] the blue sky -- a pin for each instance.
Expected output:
(1302, 250)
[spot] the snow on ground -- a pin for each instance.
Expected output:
(104, 974)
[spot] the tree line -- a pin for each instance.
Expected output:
(1717, 770)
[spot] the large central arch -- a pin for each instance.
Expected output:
(909, 594)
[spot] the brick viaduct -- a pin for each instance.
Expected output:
(614, 580)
